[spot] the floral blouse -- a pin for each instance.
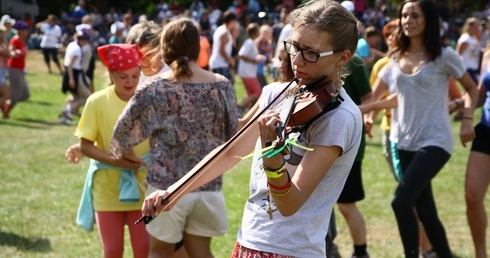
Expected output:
(185, 121)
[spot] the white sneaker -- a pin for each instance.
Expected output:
(67, 114)
(65, 121)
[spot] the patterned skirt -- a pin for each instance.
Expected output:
(243, 252)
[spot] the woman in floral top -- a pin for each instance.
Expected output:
(186, 112)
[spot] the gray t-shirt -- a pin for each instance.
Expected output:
(422, 117)
(303, 234)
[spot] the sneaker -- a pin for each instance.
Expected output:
(362, 256)
(428, 254)
(334, 253)
(65, 114)
(65, 121)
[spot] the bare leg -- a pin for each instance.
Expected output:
(198, 246)
(355, 221)
(477, 181)
(159, 249)
(4, 97)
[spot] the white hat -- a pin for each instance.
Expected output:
(349, 5)
(116, 26)
(7, 19)
(79, 27)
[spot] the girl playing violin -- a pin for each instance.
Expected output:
(291, 200)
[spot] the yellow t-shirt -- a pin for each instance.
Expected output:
(99, 117)
(386, 121)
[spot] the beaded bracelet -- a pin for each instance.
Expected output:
(280, 194)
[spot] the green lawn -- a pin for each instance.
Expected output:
(40, 191)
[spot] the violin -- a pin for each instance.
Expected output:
(305, 104)
(313, 100)
(187, 185)
(302, 106)
(298, 111)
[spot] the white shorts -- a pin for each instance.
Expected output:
(197, 213)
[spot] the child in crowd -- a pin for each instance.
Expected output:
(4, 56)
(114, 188)
(247, 67)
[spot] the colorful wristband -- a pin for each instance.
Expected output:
(275, 174)
(281, 188)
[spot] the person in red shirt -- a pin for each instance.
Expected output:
(19, 90)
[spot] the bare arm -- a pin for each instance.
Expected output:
(223, 39)
(467, 133)
(379, 90)
(386, 103)
(308, 175)
(88, 149)
(481, 90)
(460, 48)
(251, 113)
(74, 154)
(311, 170)
(216, 166)
(71, 75)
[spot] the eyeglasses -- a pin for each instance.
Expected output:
(308, 55)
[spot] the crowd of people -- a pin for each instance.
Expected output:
(169, 124)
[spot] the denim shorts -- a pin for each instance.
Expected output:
(3, 75)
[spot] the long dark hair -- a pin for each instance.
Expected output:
(430, 35)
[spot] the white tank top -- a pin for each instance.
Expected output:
(217, 60)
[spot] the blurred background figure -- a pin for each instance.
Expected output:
(49, 41)
(247, 67)
(19, 89)
(4, 56)
(468, 46)
(75, 80)
(8, 23)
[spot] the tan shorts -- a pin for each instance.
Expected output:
(197, 213)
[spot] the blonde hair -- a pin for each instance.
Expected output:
(146, 34)
(265, 28)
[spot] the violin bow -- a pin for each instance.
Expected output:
(180, 189)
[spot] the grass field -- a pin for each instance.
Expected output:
(40, 191)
